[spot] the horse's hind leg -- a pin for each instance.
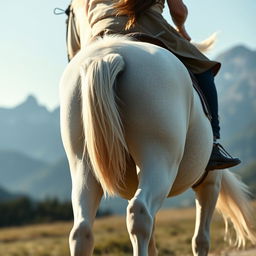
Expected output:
(86, 191)
(86, 195)
(152, 249)
(206, 198)
(156, 176)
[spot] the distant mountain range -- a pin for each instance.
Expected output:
(22, 174)
(31, 129)
(236, 84)
(33, 160)
(6, 196)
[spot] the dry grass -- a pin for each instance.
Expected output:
(174, 230)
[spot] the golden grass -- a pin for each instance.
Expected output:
(174, 230)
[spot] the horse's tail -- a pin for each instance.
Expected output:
(104, 137)
(234, 204)
(207, 44)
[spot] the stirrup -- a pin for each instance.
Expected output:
(221, 159)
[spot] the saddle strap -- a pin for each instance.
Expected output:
(201, 179)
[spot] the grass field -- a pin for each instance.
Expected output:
(174, 230)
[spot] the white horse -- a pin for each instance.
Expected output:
(132, 125)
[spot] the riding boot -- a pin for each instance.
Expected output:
(221, 159)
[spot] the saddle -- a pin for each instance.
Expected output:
(142, 37)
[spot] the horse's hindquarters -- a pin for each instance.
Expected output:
(156, 100)
(197, 149)
(157, 108)
(162, 113)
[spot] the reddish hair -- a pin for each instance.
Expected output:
(133, 9)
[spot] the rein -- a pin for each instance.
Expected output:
(60, 11)
(70, 23)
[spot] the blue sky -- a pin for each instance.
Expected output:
(33, 53)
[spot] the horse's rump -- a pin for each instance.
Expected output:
(155, 99)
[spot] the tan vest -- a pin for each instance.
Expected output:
(103, 20)
(101, 9)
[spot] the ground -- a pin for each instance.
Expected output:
(174, 229)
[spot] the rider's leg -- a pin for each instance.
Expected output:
(207, 85)
(204, 210)
(220, 159)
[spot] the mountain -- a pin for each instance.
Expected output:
(52, 181)
(31, 129)
(22, 174)
(6, 196)
(17, 170)
(249, 177)
(236, 85)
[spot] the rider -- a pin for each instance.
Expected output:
(145, 16)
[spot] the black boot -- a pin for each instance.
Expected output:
(221, 159)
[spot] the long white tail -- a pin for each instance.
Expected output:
(234, 204)
(104, 137)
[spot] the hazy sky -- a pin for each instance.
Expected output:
(33, 53)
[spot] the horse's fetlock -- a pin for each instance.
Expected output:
(81, 239)
(82, 231)
(139, 221)
(201, 244)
